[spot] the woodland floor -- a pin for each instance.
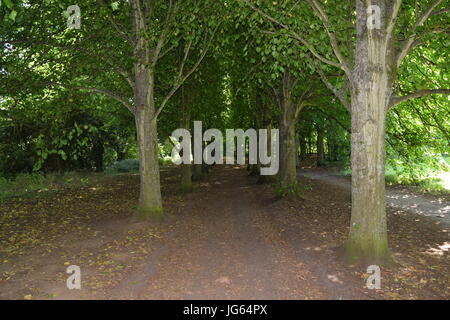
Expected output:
(230, 238)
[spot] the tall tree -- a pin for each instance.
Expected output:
(132, 41)
(370, 60)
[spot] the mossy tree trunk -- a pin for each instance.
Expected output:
(320, 146)
(371, 89)
(297, 151)
(303, 148)
(186, 168)
(146, 54)
(150, 201)
(371, 72)
(332, 142)
(288, 169)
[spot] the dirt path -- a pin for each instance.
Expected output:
(220, 249)
(429, 206)
(230, 238)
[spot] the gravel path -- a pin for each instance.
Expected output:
(402, 198)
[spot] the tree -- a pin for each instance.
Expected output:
(132, 41)
(371, 70)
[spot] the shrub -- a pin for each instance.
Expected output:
(128, 165)
(22, 183)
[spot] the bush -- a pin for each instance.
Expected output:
(128, 165)
(165, 160)
(423, 175)
(22, 183)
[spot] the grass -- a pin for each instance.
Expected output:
(424, 179)
(30, 183)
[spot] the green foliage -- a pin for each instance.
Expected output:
(28, 183)
(426, 175)
(22, 183)
(67, 131)
(47, 128)
(128, 165)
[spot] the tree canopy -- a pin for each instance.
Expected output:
(333, 80)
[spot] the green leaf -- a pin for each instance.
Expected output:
(62, 154)
(8, 3)
(115, 5)
(13, 15)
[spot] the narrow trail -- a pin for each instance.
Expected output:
(220, 249)
(230, 238)
(401, 198)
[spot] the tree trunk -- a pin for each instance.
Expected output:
(332, 142)
(120, 153)
(368, 232)
(150, 202)
(186, 177)
(288, 169)
(198, 174)
(371, 90)
(303, 148)
(186, 168)
(309, 146)
(260, 119)
(320, 147)
(265, 123)
(98, 152)
(297, 152)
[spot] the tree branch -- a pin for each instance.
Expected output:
(420, 93)
(180, 80)
(296, 36)
(340, 94)
(408, 43)
(164, 32)
(392, 19)
(108, 93)
(334, 44)
(113, 21)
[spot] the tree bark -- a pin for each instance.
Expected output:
(297, 151)
(320, 147)
(265, 122)
(303, 148)
(332, 142)
(368, 230)
(186, 168)
(197, 174)
(288, 169)
(98, 151)
(371, 90)
(150, 201)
